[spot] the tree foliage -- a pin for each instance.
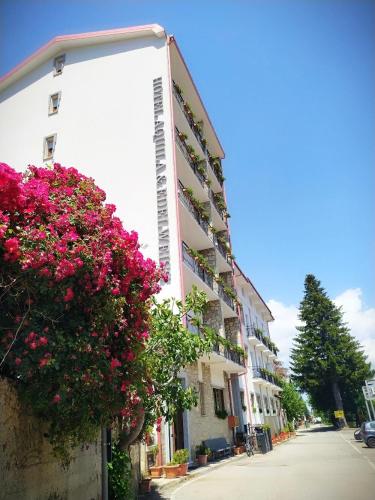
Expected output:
(327, 362)
(292, 402)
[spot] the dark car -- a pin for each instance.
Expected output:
(368, 433)
(357, 435)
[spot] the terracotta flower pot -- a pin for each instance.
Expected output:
(145, 485)
(238, 450)
(171, 471)
(156, 471)
(202, 459)
(183, 468)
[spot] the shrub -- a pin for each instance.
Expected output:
(74, 293)
(180, 456)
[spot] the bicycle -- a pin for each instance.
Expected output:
(249, 447)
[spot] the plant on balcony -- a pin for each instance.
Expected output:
(220, 204)
(199, 206)
(222, 414)
(216, 166)
(178, 89)
(182, 136)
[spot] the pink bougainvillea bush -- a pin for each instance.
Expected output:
(74, 300)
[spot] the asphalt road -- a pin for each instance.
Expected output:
(319, 464)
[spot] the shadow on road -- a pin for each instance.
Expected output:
(318, 429)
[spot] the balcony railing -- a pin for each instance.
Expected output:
(215, 168)
(221, 248)
(185, 200)
(263, 374)
(253, 332)
(196, 267)
(220, 211)
(230, 354)
(182, 145)
(223, 295)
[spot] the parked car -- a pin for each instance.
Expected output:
(368, 433)
(357, 435)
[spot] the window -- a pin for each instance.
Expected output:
(54, 103)
(202, 401)
(58, 64)
(49, 147)
(219, 400)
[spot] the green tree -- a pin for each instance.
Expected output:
(292, 402)
(327, 362)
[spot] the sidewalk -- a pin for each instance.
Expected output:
(162, 488)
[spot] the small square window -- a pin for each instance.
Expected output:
(54, 103)
(49, 147)
(58, 64)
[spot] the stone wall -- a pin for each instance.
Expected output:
(206, 426)
(29, 471)
(232, 330)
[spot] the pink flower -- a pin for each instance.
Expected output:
(12, 251)
(33, 346)
(56, 399)
(68, 295)
(115, 363)
(43, 362)
(43, 341)
(18, 361)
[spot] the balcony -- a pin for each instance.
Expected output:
(226, 298)
(218, 208)
(263, 376)
(223, 250)
(187, 155)
(215, 163)
(231, 361)
(196, 267)
(257, 338)
(188, 204)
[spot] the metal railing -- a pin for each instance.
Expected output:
(196, 267)
(197, 134)
(230, 354)
(262, 373)
(221, 248)
(223, 295)
(220, 211)
(182, 145)
(185, 200)
(253, 332)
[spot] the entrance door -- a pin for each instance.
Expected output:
(178, 431)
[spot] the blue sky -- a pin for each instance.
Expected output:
(290, 89)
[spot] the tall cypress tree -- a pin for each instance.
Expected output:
(327, 362)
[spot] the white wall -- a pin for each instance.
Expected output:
(104, 127)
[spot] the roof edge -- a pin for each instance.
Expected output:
(256, 291)
(20, 69)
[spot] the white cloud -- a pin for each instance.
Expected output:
(360, 319)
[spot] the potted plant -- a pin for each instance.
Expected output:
(145, 485)
(202, 453)
(181, 458)
(155, 470)
(171, 470)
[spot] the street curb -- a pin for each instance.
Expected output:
(166, 487)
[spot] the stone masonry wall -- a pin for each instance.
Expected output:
(232, 330)
(206, 426)
(213, 318)
(29, 471)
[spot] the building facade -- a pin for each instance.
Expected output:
(262, 383)
(122, 107)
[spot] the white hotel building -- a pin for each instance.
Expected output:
(121, 106)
